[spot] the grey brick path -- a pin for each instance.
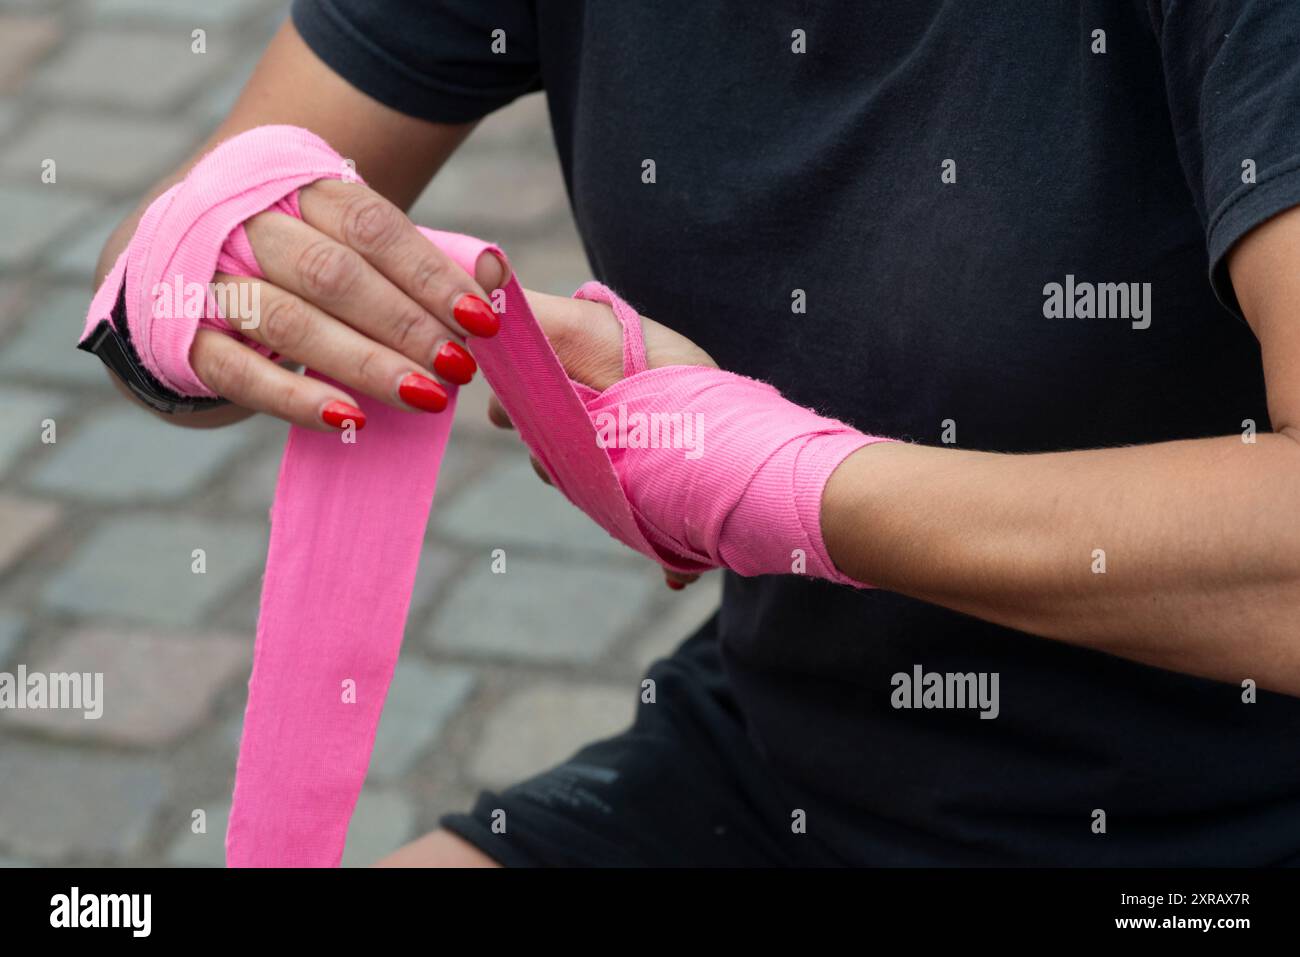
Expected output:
(500, 675)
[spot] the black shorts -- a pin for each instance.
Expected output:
(683, 786)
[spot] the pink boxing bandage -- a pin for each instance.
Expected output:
(348, 520)
(183, 235)
(720, 469)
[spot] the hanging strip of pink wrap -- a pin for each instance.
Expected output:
(348, 519)
(346, 531)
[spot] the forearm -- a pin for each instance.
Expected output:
(1184, 555)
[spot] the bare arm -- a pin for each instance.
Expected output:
(1201, 539)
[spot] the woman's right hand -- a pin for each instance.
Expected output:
(355, 292)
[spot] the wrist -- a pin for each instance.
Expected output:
(850, 501)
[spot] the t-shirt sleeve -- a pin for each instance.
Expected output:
(1232, 72)
(441, 60)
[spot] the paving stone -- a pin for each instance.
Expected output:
(32, 6)
(35, 215)
(93, 151)
(383, 822)
(20, 426)
(276, 16)
(467, 458)
(156, 689)
(75, 258)
(185, 12)
(25, 522)
(23, 41)
(238, 612)
(127, 454)
(209, 848)
(437, 564)
(139, 568)
(253, 483)
(511, 506)
(215, 105)
(44, 346)
(127, 68)
(229, 732)
(421, 699)
(522, 127)
(460, 464)
(15, 294)
(540, 610)
(686, 611)
(9, 112)
(543, 725)
(12, 627)
(471, 416)
(509, 192)
(62, 803)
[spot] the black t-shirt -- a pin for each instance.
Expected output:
(929, 307)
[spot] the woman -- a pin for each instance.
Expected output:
(1086, 555)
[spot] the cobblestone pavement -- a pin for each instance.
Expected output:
(500, 674)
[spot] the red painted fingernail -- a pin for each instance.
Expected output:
(339, 414)
(476, 316)
(454, 363)
(423, 393)
(674, 584)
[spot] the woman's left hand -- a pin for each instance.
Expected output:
(589, 342)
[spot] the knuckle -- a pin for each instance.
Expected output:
(370, 223)
(369, 365)
(228, 372)
(327, 270)
(323, 189)
(411, 332)
(298, 397)
(429, 277)
(284, 324)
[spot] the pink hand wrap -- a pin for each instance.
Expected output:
(724, 471)
(348, 520)
(184, 232)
